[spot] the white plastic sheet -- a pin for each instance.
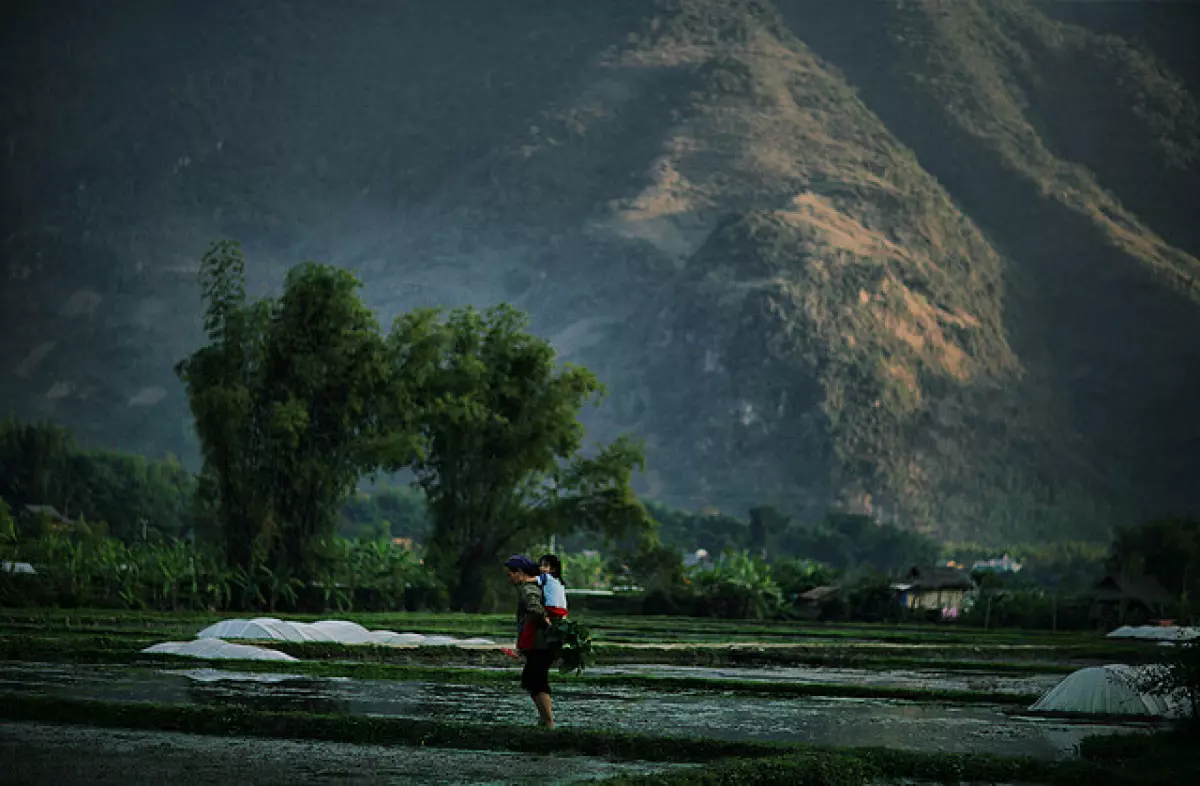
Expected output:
(215, 649)
(334, 631)
(1169, 633)
(1107, 690)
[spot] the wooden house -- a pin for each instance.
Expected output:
(934, 587)
(1127, 600)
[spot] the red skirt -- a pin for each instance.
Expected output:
(528, 637)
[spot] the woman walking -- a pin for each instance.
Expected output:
(531, 635)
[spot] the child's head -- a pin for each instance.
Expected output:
(552, 565)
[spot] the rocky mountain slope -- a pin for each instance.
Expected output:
(932, 260)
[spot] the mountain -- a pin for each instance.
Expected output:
(932, 261)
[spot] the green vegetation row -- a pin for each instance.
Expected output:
(780, 762)
(178, 575)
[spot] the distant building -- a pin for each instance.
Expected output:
(1005, 564)
(933, 587)
(1127, 600)
(808, 604)
(50, 513)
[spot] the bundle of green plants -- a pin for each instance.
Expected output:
(575, 646)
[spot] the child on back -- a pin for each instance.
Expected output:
(553, 591)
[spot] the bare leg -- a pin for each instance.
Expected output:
(545, 712)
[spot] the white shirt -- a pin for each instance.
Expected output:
(553, 592)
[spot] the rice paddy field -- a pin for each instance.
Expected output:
(670, 700)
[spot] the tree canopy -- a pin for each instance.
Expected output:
(1166, 549)
(500, 440)
(285, 398)
(40, 464)
(296, 398)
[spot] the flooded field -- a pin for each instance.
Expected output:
(39, 754)
(823, 721)
(883, 678)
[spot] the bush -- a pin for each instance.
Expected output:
(1177, 676)
(173, 575)
(797, 576)
(1030, 609)
(737, 586)
(868, 599)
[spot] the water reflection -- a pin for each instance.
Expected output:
(817, 720)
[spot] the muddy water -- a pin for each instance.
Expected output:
(823, 721)
(931, 680)
(40, 754)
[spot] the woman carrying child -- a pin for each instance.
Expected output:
(532, 625)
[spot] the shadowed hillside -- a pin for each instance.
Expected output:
(928, 260)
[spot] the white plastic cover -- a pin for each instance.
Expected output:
(335, 631)
(17, 567)
(219, 675)
(1107, 690)
(1156, 633)
(215, 649)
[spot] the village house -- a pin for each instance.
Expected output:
(809, 604)
(56, 522)
(933, 587)
(1127, 600)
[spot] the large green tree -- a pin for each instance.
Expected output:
(32, 459)
(285, 397)
(501, 459)
(41, 464)
(1167, 549)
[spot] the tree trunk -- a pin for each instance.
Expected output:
(467, 594)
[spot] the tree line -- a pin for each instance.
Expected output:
(296, 397)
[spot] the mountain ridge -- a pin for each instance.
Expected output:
(822, 257)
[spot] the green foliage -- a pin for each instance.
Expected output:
(586, 570)
(765, 528)
(285, 397)
(173, 575)
(575, 642)
(1176, 676)
(32, 459)
(850, 542)
(1028, 609)
(738, 586)
(1166, 549)
(688, 531)
(399, 512)
(8, 525)
(842, 541)
(869, 598)
(501, 436)
(797, 576)
(1066, 566)
(1166, 757)
(40, 464)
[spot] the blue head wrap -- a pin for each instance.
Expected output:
(522, 563)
